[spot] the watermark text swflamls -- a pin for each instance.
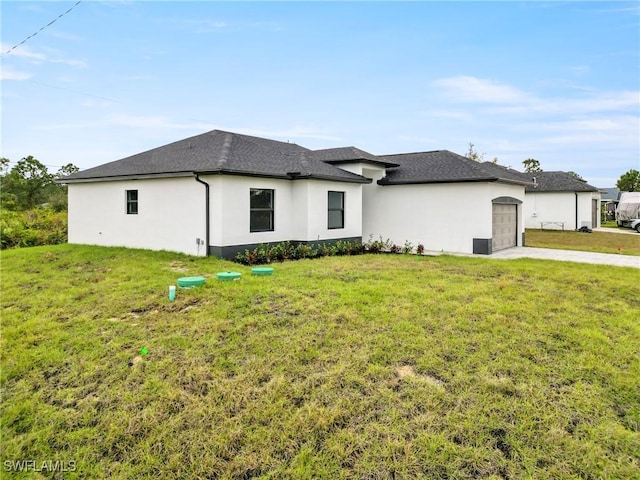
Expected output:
(39, 466)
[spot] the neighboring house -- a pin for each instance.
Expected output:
(561, 200)
(609, 198)
(557, 200)
(220, 193)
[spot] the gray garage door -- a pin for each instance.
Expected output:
(504, 226)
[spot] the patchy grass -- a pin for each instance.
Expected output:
(603, 242)
(609, 224)
(375, 366)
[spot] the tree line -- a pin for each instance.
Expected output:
(28, 185)
(33, 207)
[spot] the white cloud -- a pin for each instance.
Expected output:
(48, 56)
(65, 36)
(452, 115)
(7, 73)
(157, 121)
(579, 69)
(205, 25)
(33, 8)
(418, 139)
(615, 131)
(294, 132)
(510, 100)
(472, 89)
(96, 103)
(592, 102)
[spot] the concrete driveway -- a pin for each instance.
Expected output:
(566, 256)
(574, 255)
(628, 231)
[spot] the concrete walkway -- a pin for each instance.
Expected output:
(562, 255)
(566, 256)
(629, 231)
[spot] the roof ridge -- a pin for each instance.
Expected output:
(226, 147)
(414, 153)
(304, 162)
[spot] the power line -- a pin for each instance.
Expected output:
(74, 91)
(46, 165)
(47, 25)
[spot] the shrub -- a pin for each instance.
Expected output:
(287, 251)
(377, 246)
(303, 250)
(280, 252)
(39, 226)
(407, 247)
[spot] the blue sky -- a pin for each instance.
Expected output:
(550, 80)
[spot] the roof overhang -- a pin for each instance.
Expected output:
(288, 176)
(377, 163)
(385, 181)
(119, 178)
(150, 176)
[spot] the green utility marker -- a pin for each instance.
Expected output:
(226, 276)
(188, 282)
(262, 271)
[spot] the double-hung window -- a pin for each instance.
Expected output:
(261, 210)
(132, 202)
(336, 210)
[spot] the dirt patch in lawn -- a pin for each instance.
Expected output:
(409, 371)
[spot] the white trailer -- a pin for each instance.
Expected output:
(628, 211)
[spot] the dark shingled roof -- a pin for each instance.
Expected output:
(558, 182)
(232, 153)
(508, 172)
(350, 154)
(610, 193)
(220, 152)
(443, 166)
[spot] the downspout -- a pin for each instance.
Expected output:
(576, 194)
(206, 209)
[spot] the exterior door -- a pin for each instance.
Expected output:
(505, 223)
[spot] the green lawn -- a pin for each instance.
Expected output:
(603, 242)
(375, 366)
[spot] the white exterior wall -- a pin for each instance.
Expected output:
(170, 214)
(318, 210)
(442, 217)
(300, 210)
(559, 207)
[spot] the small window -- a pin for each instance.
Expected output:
(132, 202)
(261, 210)
(336, 210)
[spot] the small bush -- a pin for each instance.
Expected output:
(407, 247)
(280, 252)
(377, 246)
(265, 253)
(30, 228)
(304, 250)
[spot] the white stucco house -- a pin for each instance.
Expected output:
(220, 193)
(557, 200)
(562, 201)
